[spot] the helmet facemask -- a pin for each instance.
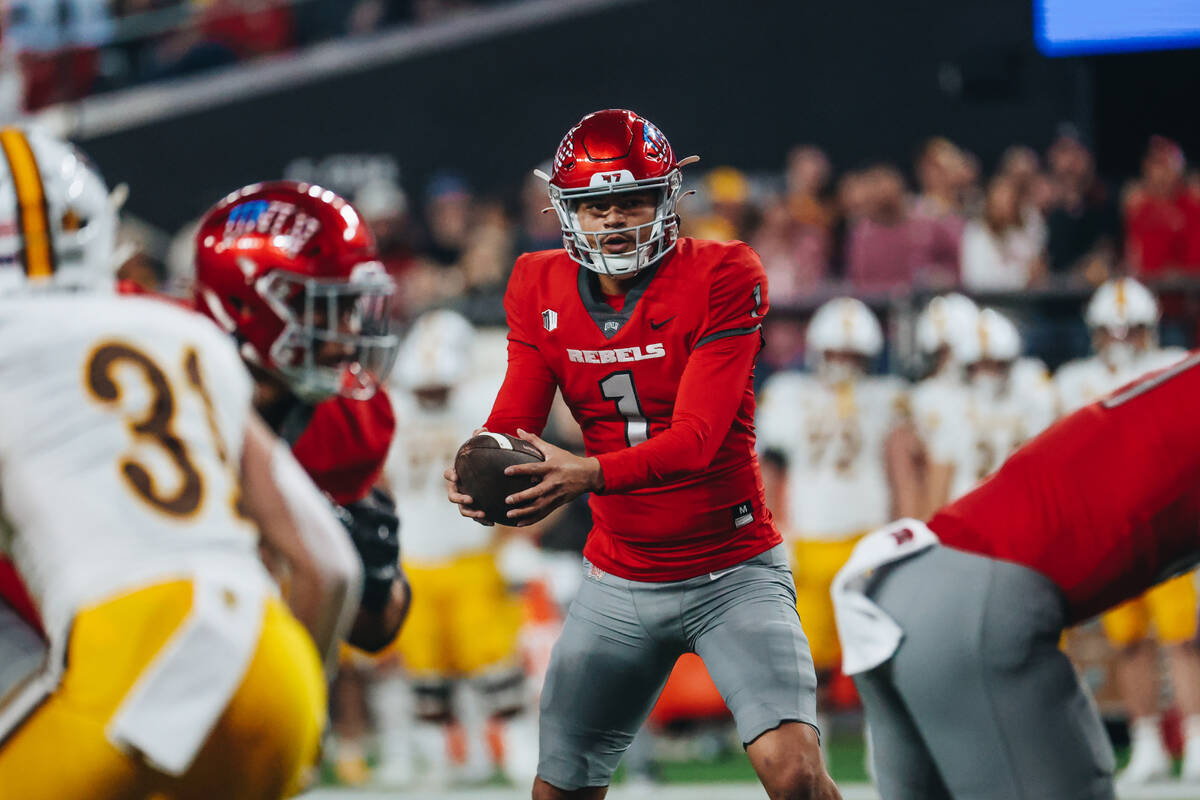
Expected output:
(652, 240)
(336, 338)
(1120, 346)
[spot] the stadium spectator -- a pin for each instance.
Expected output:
(448, 204)
(249, 27)
(807, 182)
(539, 229)
(1083, 225)
(795, 255)
(1156, 213)
(489, 255)
(1001, 248)
(1191, 227)
(945, 174)
(891, 248)
(384, 207)
(730, 211)
(1021, 164)
(57, 45)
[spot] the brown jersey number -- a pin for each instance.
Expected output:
(153, 427)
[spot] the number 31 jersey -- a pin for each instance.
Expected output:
(121, 425)
(619, 368)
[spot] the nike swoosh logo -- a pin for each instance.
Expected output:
(712, 576)
(656, 325)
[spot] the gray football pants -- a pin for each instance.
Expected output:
(621, 638)
(979, 702)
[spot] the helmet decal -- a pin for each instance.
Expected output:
(657, 147)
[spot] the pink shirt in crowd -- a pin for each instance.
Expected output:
(918, 249)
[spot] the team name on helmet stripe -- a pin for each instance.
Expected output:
(32, 213)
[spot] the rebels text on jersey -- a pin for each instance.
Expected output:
(662, 388)
(1104, 503)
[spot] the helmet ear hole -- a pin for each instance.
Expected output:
(72, 221)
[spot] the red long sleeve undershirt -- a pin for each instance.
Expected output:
(699, 423)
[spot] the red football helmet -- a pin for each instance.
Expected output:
(290, 270)
(609, 152)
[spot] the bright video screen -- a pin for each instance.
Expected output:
(1077, 27)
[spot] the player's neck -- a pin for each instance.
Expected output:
(614, 286)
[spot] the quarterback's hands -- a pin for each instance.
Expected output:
(564, 476)
(456, 495)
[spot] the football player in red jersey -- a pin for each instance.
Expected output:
(652, 340)
(290, 271)
(951, 630)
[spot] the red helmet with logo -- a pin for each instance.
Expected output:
(290, 270)
(610, 152)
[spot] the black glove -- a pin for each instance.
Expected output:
(375, 531)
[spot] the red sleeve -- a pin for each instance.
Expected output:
(724, 356)
(528, 390)
(525, 397)
(345, 444)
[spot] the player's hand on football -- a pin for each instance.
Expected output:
(464, 502)
(563, 476)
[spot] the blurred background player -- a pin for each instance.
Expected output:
(944, 319)
(1123, 318)
(828, 433)
(291, 273)
(135, 472)
(990, 414)
(461, 634)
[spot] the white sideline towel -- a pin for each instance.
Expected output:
(869, 636)
(172, 708)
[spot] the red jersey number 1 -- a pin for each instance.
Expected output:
(619, 386)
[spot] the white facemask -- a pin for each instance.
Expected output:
(1119, 356)
(988, 386)
(838, 371)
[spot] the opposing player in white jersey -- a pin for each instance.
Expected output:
(461, 634)
(990, 414)
(1123, 318)
(133, 475)
(944, 319)
(830, 430)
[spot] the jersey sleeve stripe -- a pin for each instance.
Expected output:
(712, 337)
(1143, 386)
(32, 212)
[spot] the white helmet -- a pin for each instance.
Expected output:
(57, 224)
(946, 318)
(994, 338)
(844, 324)
(1122, 304)
(437, 351)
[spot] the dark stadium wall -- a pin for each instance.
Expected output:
(737, 83)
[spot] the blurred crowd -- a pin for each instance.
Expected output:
(61, 50)
(1041, 223)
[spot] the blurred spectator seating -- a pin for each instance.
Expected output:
(891, 247)
(1162, 214)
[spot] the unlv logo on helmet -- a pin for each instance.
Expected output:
(276, 218)
(657, 146)
(564, 159)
